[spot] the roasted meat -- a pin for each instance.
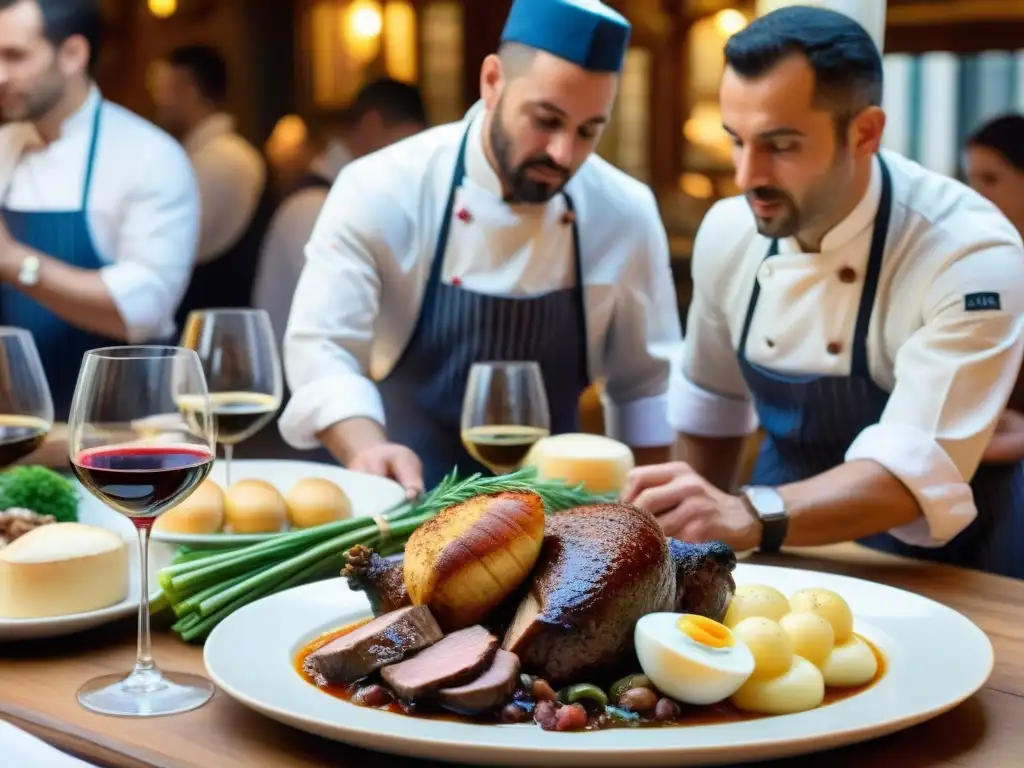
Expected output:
(455, 660)
(489, 691)
(379, 577)
(704, 583)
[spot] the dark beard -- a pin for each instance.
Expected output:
(42, 101)
(521, 188)
(784, 224)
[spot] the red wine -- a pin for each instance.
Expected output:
(20, 436)
(141, 481)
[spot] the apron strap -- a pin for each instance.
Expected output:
(579, 291)
(91, 161)
(859, 364)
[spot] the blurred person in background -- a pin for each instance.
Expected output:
(502, 236)
(190, 92)
(383, 112)
(99, 211)
(994, 161)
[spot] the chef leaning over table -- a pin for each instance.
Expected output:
(501, 237)
(868, 313)
(98, 208)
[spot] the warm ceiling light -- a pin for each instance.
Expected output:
(366, 19)
(730, 21)
(163, 9)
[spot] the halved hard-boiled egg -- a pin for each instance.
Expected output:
(755, 600)
(850, 665)
(782, 682)
(690, 658)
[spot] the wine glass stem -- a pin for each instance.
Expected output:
(144, 656)
(228, 450)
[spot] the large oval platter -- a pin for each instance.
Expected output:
(250, 657)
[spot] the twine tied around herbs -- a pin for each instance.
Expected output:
(383, 526)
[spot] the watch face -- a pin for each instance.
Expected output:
(767, 502)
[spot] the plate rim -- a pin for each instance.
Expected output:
(780, 744)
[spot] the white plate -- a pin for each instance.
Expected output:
(90, 512)
(370, 495)
(250, 654)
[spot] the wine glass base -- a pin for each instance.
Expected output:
(146, 693)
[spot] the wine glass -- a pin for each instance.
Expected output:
(238, 350)
(141, 471)
(504, 412)
(26, 406)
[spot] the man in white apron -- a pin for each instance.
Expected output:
(501, 237)
(869, 316)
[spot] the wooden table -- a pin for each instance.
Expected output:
(38, 682)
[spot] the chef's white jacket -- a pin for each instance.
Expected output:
(143, 207)
(367, 262)
(950, 369)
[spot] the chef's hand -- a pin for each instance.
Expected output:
(1007, 444)
(394, 461)
(690, 508)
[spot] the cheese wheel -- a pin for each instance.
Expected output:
(598, 462)
(61, 569)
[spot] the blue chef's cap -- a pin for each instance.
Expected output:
(585, 32)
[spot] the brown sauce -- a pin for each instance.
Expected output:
(722, 713)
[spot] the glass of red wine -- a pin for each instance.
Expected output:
(141, 466)
(26, 407)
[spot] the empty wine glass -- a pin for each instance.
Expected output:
(122, 455)
(26, 406)
(504, 412)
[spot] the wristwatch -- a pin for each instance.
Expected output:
(28, 273)
(770, 509)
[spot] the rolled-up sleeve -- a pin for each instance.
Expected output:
(645, 335)
(953, 379)
(156, 244)
(329, 338)
(708, 396)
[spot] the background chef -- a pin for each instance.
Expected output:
(98, 208)
(498, 237)
(869, 314)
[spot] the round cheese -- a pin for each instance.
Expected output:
(61, 569)
(598, 462)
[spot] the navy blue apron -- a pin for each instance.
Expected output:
(810, 421)
(63, 235)
(456, 328)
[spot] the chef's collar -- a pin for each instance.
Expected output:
(212, 127)
(79, 120)
(859, 219)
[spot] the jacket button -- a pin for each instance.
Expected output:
(834, 348)
(847, 274)
(769, 343)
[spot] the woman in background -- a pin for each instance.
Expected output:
(994, 161)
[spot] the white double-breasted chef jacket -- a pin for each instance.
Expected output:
(946, 335)
(367, 262)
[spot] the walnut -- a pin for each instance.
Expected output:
(17, 522)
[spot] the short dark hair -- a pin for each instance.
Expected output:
(66, 18)
(846, 62)
(207, 68)
(396, 102)
(1004, 135)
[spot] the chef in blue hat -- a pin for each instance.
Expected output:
(499, 237)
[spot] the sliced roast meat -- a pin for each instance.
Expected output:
(489, 691)
(385, 640)
(456, 659)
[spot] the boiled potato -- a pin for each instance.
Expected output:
(315, 501)
(850, 665)
(201, 513)
(827, 604)
(755, 600)
(799, 688)
(254, 506)
(813, 637)
(768, 642)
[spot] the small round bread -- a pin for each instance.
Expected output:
(254, 506)
(200, 513)
(315, 501)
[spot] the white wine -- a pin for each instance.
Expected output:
(20, 436)
(501, 446)
(236, 415)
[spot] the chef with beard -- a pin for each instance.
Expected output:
(499, 237)
(866, 312)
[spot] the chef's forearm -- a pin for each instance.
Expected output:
(716, 459)
(78, 296)
(347, 439)
(856, 499)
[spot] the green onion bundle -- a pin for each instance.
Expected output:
(203, 587)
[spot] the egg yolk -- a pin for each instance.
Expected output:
(705, 631)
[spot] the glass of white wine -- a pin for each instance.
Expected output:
(26, 406)
(504, 412)
(238, 350)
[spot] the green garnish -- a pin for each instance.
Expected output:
(41, 490)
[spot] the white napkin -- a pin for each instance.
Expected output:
(23, 750)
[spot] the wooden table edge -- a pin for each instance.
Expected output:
(82, 743)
